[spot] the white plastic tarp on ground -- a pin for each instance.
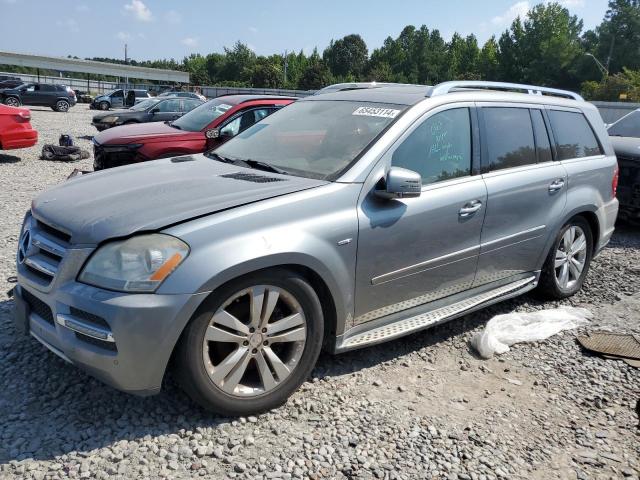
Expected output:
(502, 331)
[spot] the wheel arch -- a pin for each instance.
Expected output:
(588, 212)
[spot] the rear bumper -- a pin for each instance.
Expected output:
(72, 322)
(18, 138)
(607, 215)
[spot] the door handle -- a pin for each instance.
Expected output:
(556, 185)
(470, 208)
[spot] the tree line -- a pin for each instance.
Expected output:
(549, 47)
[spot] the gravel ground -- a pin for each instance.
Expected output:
(419, 407)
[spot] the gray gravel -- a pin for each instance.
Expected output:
(420, 407)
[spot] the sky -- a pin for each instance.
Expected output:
(156, 29)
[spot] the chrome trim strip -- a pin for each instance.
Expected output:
(422, 266)
(76, 325)
(424, 320)
(53, 349)
(509, 237)
(41, 265)
(43, 243)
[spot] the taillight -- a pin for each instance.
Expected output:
(614, 182)
(23, 116)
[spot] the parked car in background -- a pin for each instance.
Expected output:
(203, 128)
(10, 83)
(58, 97)
(625, 137)
(15, 128)
(84, 97)
(119, 99)
(343, 220)
(184, 95)
(159, 109)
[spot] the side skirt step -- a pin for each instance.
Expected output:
(427, 319)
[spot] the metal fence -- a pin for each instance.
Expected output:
(612, 111)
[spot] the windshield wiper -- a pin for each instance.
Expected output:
(257, 164)
(170, 123)
(220, 158)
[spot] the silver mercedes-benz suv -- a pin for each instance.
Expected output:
(344, 220)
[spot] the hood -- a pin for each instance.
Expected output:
(151, 195)
(142, 132)
(116, 113)
(626, 146)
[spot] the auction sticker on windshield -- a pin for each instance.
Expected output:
(376, 112)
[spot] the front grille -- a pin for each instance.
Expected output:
(38, 307)
(42, 249)
(103, 159)
(252, 177)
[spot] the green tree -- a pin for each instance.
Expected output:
(315, 76)
(347, 56)
(266, 74)
(488, 60)
(239, 62)
(618, 36)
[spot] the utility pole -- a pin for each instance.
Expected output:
(604, 70)
(286, 64)
(126, 62)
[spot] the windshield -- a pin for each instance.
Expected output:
(198, 118)
(144, 104)
(316, 139)
(627, 126)
(110, 92)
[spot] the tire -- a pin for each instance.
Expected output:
(12, 101)
(61, 106)
(103, 105)
(575, 266)
(208, 369)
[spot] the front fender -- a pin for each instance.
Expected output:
(298, 229)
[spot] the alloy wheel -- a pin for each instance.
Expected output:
(254, 341)
(12, 102)
(571, 257)
(62, 106)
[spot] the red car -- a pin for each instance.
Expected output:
(203, 128)
(15, 129)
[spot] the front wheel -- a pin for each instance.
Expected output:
(103, 105)
(12, 101)
(62, 106)
(568, 261)
(252, 344)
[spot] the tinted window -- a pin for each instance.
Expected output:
(47, 88)
(118, 94)
(509, 138)
(189, 105)
(573, 134)
(628, 126)
(440, 148)
(200, 117)
(543, 145)
(172, 105)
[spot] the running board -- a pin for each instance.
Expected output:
(427, 319)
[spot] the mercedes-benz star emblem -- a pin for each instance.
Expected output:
(24, 246)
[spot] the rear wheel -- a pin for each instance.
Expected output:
(12, 101)
(568, 261)
(252, 344)
(61, 106)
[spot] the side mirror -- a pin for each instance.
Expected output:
(400, 183)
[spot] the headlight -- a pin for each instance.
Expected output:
(138, 264)
(109, 119)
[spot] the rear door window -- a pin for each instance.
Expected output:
(509, 140)
(172, 105)
(440, 148)
(574, 136)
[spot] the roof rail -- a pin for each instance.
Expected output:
(446, 87)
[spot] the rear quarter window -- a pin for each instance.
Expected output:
(574, 136)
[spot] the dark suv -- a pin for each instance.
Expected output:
(58, 97)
